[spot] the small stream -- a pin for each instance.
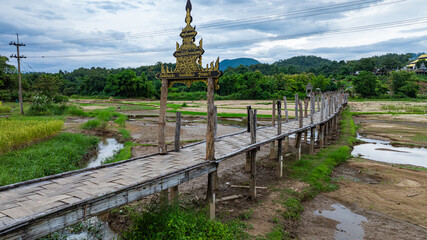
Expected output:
(349, 226)
(383, 151)
(106, 149)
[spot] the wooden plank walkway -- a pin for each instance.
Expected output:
(39, 207)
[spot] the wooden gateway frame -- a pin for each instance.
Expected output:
(188, 70)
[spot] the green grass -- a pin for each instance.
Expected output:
(60, 154)
(405, 108)
(76, 111)
(124, 154)
(94, 124)
(4, 109)
(419, 137)
(19, 131)
(160, 221)
(125, 134)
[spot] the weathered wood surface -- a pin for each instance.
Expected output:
(35, 208)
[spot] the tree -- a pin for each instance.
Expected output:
(47, 85)
(127, 84)
(366, 64)
(366, 84)
(403, 84)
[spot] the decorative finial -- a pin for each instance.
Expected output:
(188, 6)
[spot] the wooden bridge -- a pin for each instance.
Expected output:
(35, 208)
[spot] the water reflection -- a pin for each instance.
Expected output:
(106, 148)
(382, 151)
(349, 226)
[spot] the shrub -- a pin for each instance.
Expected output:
(104, 115)
(94, 124)
(172, 222)
(76, 111)
(60, 99)
(121, 120)
(5, 95)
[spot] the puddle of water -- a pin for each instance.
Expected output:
(106, 148)
(349, 226)
(382, 151)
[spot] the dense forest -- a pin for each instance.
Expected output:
(259, 81)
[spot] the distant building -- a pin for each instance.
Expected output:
(420, 69)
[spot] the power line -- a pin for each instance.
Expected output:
(362, 28)
(355, 5)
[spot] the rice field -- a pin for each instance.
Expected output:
(15, 133)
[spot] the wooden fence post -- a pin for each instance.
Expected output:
(252, 180)
(248, 153)
(177, 132)
(162, 117)
(210, 139)
(296, 106)
(273, 123)
(299, 134)
(279, 142)
(210, 146)
(312, 137)
(285, 102)
(273, 114)
(210, 197)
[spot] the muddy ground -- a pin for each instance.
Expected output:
(391, 199)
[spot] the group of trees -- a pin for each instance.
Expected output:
(260, 81)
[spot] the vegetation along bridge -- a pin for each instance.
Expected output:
(35, 208)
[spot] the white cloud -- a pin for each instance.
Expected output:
(117, 26)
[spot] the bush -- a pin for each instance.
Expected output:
(94, 124)
(4, 109)
(76, 111)
(121, 120)
(104, 115)
(5, 95)
(60, 99)
(172, 222)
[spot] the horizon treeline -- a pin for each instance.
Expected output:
(259, 81)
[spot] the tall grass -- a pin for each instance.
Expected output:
(17, 132)
(405, 108)
(60, 154)
(172, 222)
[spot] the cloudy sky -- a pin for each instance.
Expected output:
(68, 34)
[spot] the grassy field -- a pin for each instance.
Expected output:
(60, 154)
(17, 132)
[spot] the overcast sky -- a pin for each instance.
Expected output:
(131, 33)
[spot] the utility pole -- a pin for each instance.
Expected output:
(17, 44)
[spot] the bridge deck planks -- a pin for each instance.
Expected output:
(26, 202)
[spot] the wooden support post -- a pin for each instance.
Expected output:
(296, 106)
(272, 150)
(322, 108)
(306, 136)
(312, 108)
(248, 154)
(164, 197)
(173, 194)
(325, 133)
(252, 180)
(210, 139)
(301, 118)
(299, 134)
(298, 146)
(177, 131)
(312, 138)
(162, 117)
(273, 118)
(279, 142)
(285, 102)
(321, 133)
(248, 109)
(318, 103)
(305, 107)
(210, 196)
(216, 122)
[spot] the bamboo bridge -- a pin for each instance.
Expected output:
(35, 208)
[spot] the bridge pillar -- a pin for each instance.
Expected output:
(162, 117)
(248, 154)
(252, 180)
(312, 139)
